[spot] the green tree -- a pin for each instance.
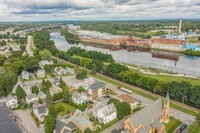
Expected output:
(81, 89)
(22, 48)
(45, 54)
(32, 64)
(88, 130)
(7, 81)
(2, 60)
(81, 74)
(53, 111)
(20, 93)
(66, 96)
(35, 90)
(49, 123)
(49, 99)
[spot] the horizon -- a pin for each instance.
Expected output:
(97, 10)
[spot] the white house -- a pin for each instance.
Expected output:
(130, 100)
(105, 113)
(11, 102)
(41, 73)
(32, 98)
(40, 111)
(45, 62)
(55, 89)
(60, 71)
(25, 75)
(41, 95)
(27, 89)
(79, 98)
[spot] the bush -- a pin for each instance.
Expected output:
(58, 96)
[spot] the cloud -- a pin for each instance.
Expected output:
(11, 10)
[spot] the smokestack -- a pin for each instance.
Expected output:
(180, 26)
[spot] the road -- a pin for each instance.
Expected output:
(28, 46)
(70, 80)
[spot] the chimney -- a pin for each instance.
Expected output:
(180, 26)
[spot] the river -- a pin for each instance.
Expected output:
(165, 61)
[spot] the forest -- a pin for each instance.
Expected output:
(71, 38)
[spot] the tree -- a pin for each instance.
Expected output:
(49, 99)
(49, 123)
(45, 54)
(81, 89)
(7, 81)
(2, 60)
(88, 130)
(66, 96)
(20, 93)
(22, 48)
(32, 64)
(58, 96)
(81, 74)
(35, 90)
(53, 111)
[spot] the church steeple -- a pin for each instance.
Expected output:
(167, 97)
(165, 117)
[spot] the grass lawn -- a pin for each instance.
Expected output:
(172, 78)
(79, 57)
(187, 111)
(66, 108)
(171, 126)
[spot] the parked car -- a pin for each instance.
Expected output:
(183, 127)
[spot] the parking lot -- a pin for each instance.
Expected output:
(25, 119)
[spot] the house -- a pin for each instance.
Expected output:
(63, 127)
(150, 119)
(85, 84)
(27, 89)
(11, 102)
(32, 98)
(41, 95)
(79, 98)
(40, 111)
(97, 90)
(41, 73)
(25, 75)
(105, 113)
(55, 89)
(130, 100)
(7, 120)
(60, 71)
(56, 81)
(45, 62)
(81, 120)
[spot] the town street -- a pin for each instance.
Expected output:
(70, 80)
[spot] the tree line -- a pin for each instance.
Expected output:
(71, 38)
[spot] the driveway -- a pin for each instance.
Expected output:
(27, 121)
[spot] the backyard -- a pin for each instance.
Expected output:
(66, 108)
(172, 125)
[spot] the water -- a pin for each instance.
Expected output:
(166, 61)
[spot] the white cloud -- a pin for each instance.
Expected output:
(27, 10)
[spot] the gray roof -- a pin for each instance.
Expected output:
(157, 125)
(97, 85)
(109, 109)
(10, 98)
(142, 130)
(29, 97)
(41, 109)
(68, 127)
(146, 115)
(79, 117)
(7, 123)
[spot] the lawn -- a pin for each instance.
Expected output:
(171, 126)
(79, 57)
(66, 107)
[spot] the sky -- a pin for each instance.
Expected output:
(63, 10)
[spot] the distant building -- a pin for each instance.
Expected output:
(81, 120)
(55, 89)
(97, 90)
(105, 113)
(63, 127)
(40, 111)
(32, 98)
(41, 73)
(56, 81)
(45, 62)
(25, 75)
(150, 119)
(11, 102)
(130, 100)
(7, 120)
(79, 98)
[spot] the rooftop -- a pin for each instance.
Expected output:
(7, 123)
(127, 98)
(97, 85)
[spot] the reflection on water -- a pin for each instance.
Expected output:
(167, 61)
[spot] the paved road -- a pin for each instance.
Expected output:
(28, 46)
(27, 121)
(70, 80)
